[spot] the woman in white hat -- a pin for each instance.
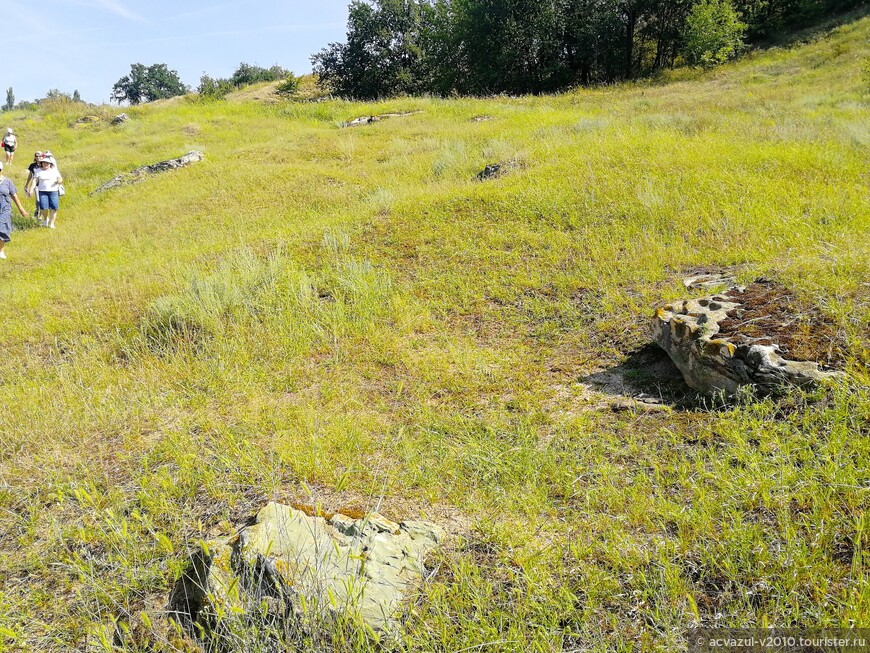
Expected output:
(9, 144)
(48, 182)
(8, 195)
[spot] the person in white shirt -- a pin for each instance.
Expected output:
(48, 182)
(9, 144)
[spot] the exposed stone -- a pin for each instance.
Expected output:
(138, 174)
(86, 120)
(364, 120)
(709, 281)
(120, 118)
(689, 331)
(368, 120)
(482, 119)
(495, 170)
(301, 571)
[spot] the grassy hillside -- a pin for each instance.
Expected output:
(346, 316)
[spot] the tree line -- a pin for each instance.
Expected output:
(157, 82)
(482, 47)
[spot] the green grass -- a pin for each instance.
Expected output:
(347, 316)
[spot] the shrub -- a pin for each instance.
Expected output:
(213, 89)
(247, 74)
(289, 87)
(713, 33)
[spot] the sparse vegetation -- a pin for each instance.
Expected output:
(345, 317)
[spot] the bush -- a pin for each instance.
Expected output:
(289, 87)
(213, 89)
(247, 74)
(713, 33)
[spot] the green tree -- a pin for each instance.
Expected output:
(247, 74)
(76, 97)
(56, 95)
(713, 33)
(148, 84)
(10, 100)
(383, 54)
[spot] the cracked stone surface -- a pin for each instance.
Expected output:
(710, 281)
(689, 332)
(140, 173)
(310, 569)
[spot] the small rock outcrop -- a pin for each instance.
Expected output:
(139, 173)
(709, 281)
(297, 570)
(364, 120)
(496, 170)
(120, 118)
(703, 339)
(368, 120)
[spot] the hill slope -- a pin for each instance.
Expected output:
(347, 316)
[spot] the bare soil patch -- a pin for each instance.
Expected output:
(770, 314)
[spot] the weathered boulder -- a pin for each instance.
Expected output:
(364, 120)
(120, 118)
(368, 120)
(690, 332)
(495, 170)
(139, 173)
(292, 567)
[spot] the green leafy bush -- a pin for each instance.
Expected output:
(213, 89)
(713, 33)
(289, 87)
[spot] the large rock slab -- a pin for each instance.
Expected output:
(299, 571)
(139, 174)
(711, 360)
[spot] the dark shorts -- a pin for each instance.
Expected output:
(4, 237)
(49, 200)
(9, 148)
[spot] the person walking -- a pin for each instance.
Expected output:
(8, 195)
(9, 144)
(48, 182)
(31, 173)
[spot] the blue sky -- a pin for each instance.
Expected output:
(88, 45)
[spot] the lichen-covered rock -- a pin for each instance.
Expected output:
(310, 569)
(363, 120)
(139, 173)
(709, 281)
(689, 332)
(368, 120)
